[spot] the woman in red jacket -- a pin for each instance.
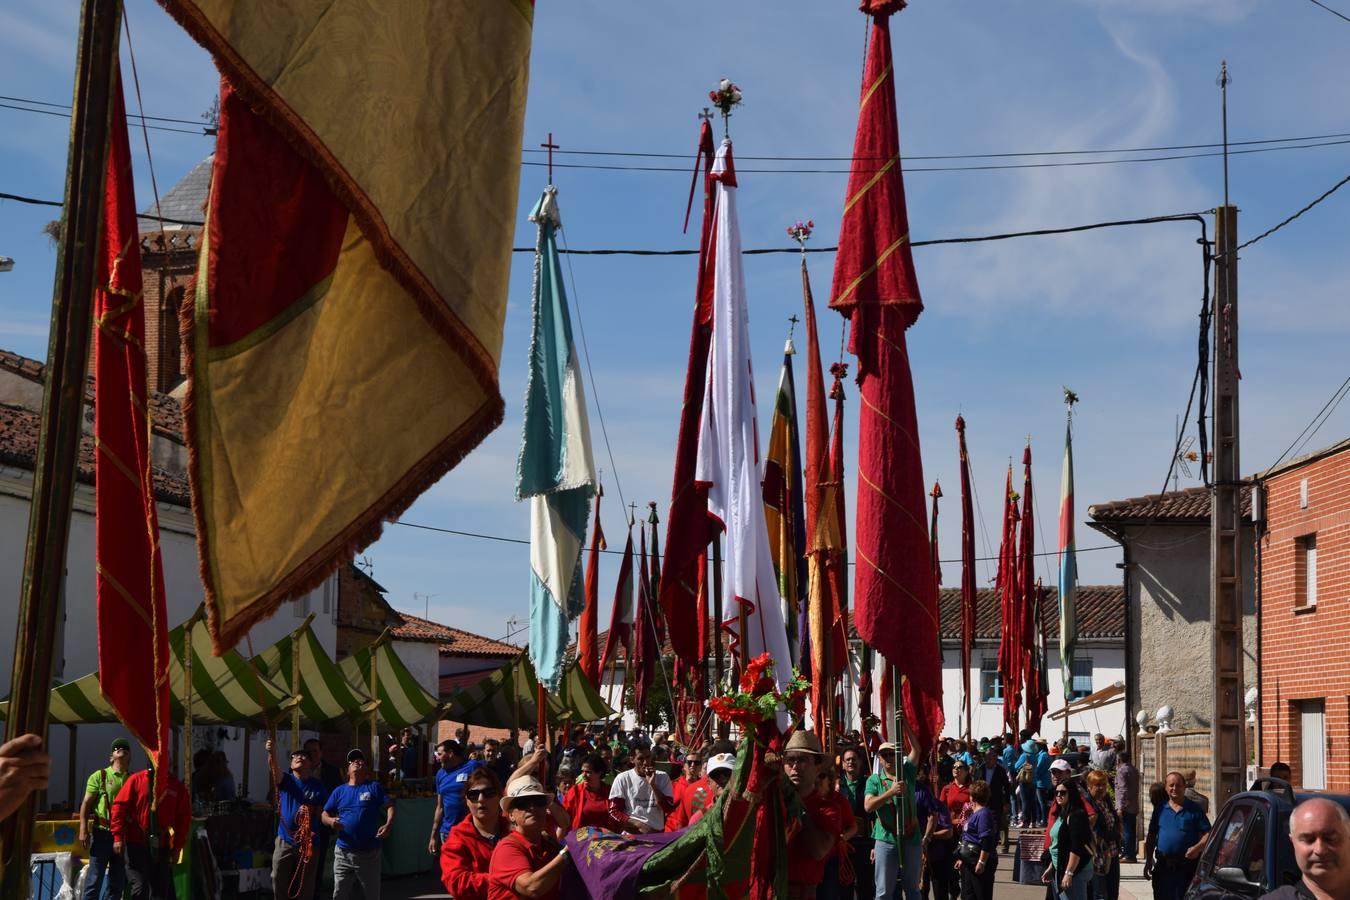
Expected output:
(466, 851)
(587, 802)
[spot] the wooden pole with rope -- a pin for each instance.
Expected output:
(40, 592)
(375, 692)
(187, 699)
(295, 688)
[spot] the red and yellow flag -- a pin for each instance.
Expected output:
(346, 327)
(875, 287)
(133, 631)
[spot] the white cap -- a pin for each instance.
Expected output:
(1061, 765)
(721, 762)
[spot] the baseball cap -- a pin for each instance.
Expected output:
(354, 755)
(120, 744)
(720, 762)
(1061, 765)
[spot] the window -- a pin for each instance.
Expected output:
(991, 683)
(1233, 831)
(1082, 677)
(1305, 571)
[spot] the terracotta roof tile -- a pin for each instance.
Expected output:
(165, 411)
(1101, 615)
(454, 641)
(19, 429)
(1190, 505)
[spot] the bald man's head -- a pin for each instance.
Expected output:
(1320, 832)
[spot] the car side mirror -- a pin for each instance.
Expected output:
(1236, 879)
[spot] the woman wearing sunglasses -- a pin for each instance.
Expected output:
(467, 849)
(529, 861)
(957, 794)
(1070, 869)
(587, 802)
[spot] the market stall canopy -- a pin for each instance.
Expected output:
(507, 697)
(324, 692)
(225, 689)
(402, 700)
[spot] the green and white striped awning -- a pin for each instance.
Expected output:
(325, 693)
(507, 699)
(225, 689)
(402, 700)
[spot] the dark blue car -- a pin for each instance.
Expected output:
(1249, 852)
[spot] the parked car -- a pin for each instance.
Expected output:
(1249, 852)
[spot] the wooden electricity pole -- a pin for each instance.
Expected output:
(1228, 730)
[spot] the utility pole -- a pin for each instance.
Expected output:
(1228, 730)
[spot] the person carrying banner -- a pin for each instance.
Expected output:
(300, 798)
(529, 861)
(150, 839)
(890, 797)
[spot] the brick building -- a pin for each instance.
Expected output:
(1304, 579)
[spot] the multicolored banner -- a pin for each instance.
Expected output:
(345, 335)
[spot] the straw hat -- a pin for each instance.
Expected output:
(519, 788)
(804, 742)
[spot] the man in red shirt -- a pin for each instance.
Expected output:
(466, 852)
(150, 842)
(529, 861)
(815, 833)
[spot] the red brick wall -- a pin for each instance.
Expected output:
(1305, 653)
(166, 276)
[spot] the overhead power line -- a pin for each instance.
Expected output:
(684, 170)
(1314, 425)
(502, 539)
(1337, 14)
(1302, 142)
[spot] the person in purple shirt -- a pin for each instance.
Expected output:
(935, 824)
(977, 854)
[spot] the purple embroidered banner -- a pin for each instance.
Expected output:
(607, 865)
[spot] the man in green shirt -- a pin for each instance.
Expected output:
(895, 831)
(106, 872)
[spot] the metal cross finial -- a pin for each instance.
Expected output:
(792, 324)
(632, 514)
(550, 146)
(706, 115)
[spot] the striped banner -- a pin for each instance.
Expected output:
(225, 689)
(402, 700)
(325, 694)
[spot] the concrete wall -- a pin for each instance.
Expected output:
(78, 635)
(1168, 607)
(423, 660)
(1108, 667)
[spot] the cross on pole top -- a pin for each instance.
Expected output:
(706, 115)
(550, 146)
(632, 513)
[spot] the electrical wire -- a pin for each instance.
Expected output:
(1335, 13)
(1269, 231)
(525, 541)
(1322, 414)
(65, 115)
(979, 168)
(634, 154)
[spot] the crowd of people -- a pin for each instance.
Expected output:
(872, 821)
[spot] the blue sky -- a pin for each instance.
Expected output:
(1110, 313)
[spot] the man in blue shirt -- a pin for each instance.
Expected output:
(451, 776)
(296, 790)
(353, 812)
(1176, 836)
